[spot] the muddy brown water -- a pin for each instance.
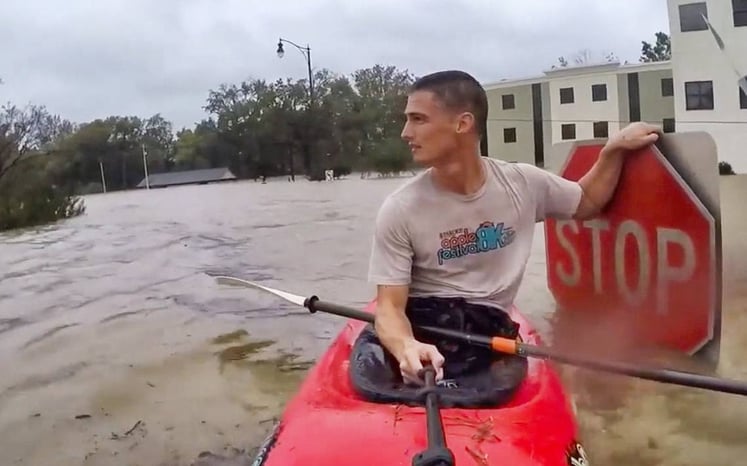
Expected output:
(118, 348)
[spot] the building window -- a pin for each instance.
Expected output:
(667, 87)
(598, 92)
(568, 131)
(566, 95)
(690, 17)
(668, 125)
(508, 101)
(509, 135)
(742, 99)
(699, 95)
(739, 8)
(601, 129)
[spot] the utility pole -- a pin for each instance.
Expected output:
(145, 167)
(103, 179)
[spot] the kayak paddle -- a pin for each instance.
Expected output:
(437, 453)
(509, 346)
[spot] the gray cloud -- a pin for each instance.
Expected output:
(86, 59)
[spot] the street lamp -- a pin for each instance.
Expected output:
(306, 52)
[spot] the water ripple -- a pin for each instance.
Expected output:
(48, 334)
(42, 380)
(8, 324)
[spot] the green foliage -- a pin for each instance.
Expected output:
(30, 193)
(660, 51)
(391, 158)
(266, 127)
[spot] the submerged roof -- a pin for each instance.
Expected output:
(188, 177)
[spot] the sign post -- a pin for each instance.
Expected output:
(653, 256)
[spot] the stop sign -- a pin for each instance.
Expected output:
(650, 254)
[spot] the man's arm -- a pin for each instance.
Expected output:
(558, 197)
(392, 325)
(599, 183)
(389, 269)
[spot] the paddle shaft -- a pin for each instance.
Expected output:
(437, 453)
(505, 345)
(436, 436)
(659, 375)
(313, 304)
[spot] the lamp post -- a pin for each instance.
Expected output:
(306, 52)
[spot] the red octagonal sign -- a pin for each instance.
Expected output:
(651, 254)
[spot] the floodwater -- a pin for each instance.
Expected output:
(119, 348)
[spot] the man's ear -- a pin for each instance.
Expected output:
(465, 122)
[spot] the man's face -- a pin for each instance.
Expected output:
(431, 130)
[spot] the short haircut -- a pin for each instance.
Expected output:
(458, 91)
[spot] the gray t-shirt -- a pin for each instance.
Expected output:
(472, 246)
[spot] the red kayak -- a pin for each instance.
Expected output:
(347, 414)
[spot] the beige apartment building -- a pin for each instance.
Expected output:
(527, 116)
(697, 90)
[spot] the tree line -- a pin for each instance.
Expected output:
(256, 128)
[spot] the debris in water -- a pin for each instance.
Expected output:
(237, 353)
(229, 337)
(82, 416)
(128, 433)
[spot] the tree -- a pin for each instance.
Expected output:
(25, 131)
(31, 195)
(660, 51)
(265, 125)
(383, 94)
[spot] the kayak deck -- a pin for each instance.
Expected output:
(328, 423)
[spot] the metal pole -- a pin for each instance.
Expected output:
(306, 52)
(311, 107)
(145, 167)
(103, 179)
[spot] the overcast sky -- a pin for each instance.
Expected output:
(86, 59)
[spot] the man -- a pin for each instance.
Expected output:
(464, 227)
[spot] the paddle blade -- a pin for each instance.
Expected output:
(233, 281)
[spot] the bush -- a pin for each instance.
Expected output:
(44, 207)
(724, 168)
(391, 157)
(28, 197)
(341, 170)
(32, 191)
